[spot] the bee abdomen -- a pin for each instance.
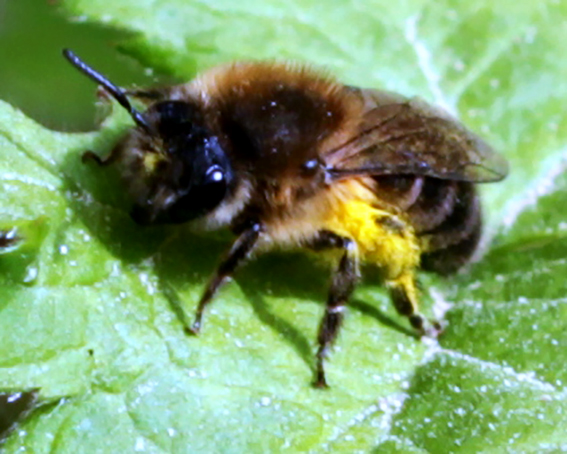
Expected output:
(426, 201)
(453, 241)
(452, 258)
(434, 205)
(445, 215)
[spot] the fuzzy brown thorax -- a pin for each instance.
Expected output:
(276, 121)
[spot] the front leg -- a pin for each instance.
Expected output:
(342, 286)
(114, 155)
(239, 252)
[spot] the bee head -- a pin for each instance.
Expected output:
(193, 174)
(185, 174)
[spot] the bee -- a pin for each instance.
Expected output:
(285, 156)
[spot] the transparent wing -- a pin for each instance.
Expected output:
(400, 136)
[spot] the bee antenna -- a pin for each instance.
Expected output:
(116, 92)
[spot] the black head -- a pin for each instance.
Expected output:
(193, 175)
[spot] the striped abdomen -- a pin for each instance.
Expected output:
(444, 213)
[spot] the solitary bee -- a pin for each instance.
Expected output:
(284, 156)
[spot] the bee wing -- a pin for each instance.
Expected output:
(401, 136)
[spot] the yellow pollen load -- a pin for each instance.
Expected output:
(383, 239)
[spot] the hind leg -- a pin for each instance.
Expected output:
(403, 291)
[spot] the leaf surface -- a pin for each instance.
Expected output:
(89, 300)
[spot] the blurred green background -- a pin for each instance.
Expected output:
(34, 76)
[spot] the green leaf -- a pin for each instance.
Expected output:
(89, 301)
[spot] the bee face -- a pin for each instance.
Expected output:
(188, 174)
(172, 162)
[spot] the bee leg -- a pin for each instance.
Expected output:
(403, 292)
(102, 162)
(342, 286)
(238, 253)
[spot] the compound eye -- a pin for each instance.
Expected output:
(211, 190)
